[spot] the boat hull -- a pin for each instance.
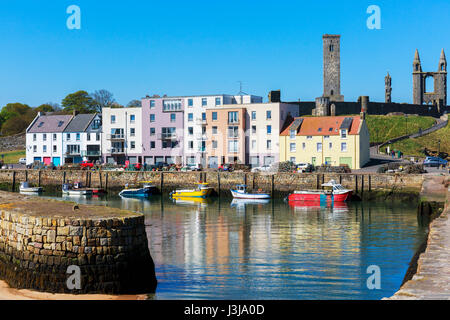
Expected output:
(321, 197)
(31, 190)
(138, 193)
(255, 196)
(78, 193)
(203, 193)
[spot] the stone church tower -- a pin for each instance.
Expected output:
(420, 78)
(388, 89)
(332, 67)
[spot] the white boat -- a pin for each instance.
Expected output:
(244, 202)
(241, 193)
(25, 188)
(76, 190)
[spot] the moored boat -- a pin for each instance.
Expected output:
(241, 193)
(76, 189)
(203, 191)
(332, 191)
(26, 188)
(146, 190)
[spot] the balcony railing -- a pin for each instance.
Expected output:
(73, 153)
(200, 121)
(200, 136)
(91, 153)
(116, 137)
(116, 151)
(167, 136)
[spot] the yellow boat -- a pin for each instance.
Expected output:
(203, 191)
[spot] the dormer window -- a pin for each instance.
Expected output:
(344, 134)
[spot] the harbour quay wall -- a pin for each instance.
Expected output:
(278, 183)
(59, 247)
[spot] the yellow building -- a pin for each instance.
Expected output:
(326, 140)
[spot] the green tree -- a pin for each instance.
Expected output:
(79, 101)
(14, 125)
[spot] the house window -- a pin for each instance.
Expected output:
(190, 117)
(44, 149)
(68, 137)
(214, 130)
(293, 147)
(173, 117)
(191, 131)
(214, 116)
(204, 102)
(331, 48)
(292, 134)
(78, 137)
(269, 129)
(54, 137)
(343, 147)
(44, 137)
(132, 145)
(203, 116)
(152, 145)
(113, 119)
(96, 124)
(55, 149)
(97, 137)
(343, 134)
(326, 137)
(152, 118)
(233, 117)
(190, 145)
(253, 129)
(269, 115)
(132, 118)
(233, 146)
(269, 144)
(309, 137)
(214, 144)
(304, 146)
(34, 137)
(218, 102)
(319, 147)
(253, 115)
(330, 145)
(190, 102)
(34, 149)
(152, 131)
(293, 159)
(233, 132)
(132, 132)
(253, 144)
(152, 104)
(88, 137)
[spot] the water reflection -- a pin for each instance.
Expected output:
(225, 249)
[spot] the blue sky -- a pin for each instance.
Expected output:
(135, 48)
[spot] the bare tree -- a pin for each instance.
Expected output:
(134, 104)
(102, 99)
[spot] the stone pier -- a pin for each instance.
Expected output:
(42, 242)
(432, 278)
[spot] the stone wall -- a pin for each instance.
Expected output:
(13, 143)
(40, 239)
(280, 183)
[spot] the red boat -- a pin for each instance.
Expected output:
(333, 191)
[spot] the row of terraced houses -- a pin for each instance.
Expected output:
(209, 130)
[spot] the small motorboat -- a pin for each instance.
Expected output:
(25, 188)
(241, 193)
(144, 191)
(76, 189)
(332, 191)
(203, 191)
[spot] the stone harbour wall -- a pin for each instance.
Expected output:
(36, 248)
(279, 183)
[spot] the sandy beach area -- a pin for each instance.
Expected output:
(7, 293)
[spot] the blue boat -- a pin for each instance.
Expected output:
(143, 192)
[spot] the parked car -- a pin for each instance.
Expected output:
(133, 166)
(86, 165)
(226, 167)
(195, 167)
(304, 167)
(263, 168)
(434, 162)
(23, 161)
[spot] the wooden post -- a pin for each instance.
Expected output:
(100, 178)
(162, 182)
(39, 178)
(370, 183)
(356, 183)
(273, 185)
(14, 181)
(317, 181)
(218, 183)
(362, 183)
(26, 175)
(245, 178)
(253, 184)
(106, 181)
(340, 179)
(64, 177)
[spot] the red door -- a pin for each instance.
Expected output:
(47, 161)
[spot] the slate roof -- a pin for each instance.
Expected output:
(80, 123)
(324, 126)
(50, 124)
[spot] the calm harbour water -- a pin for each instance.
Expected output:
(221, 249)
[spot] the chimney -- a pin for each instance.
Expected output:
(275, 96)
